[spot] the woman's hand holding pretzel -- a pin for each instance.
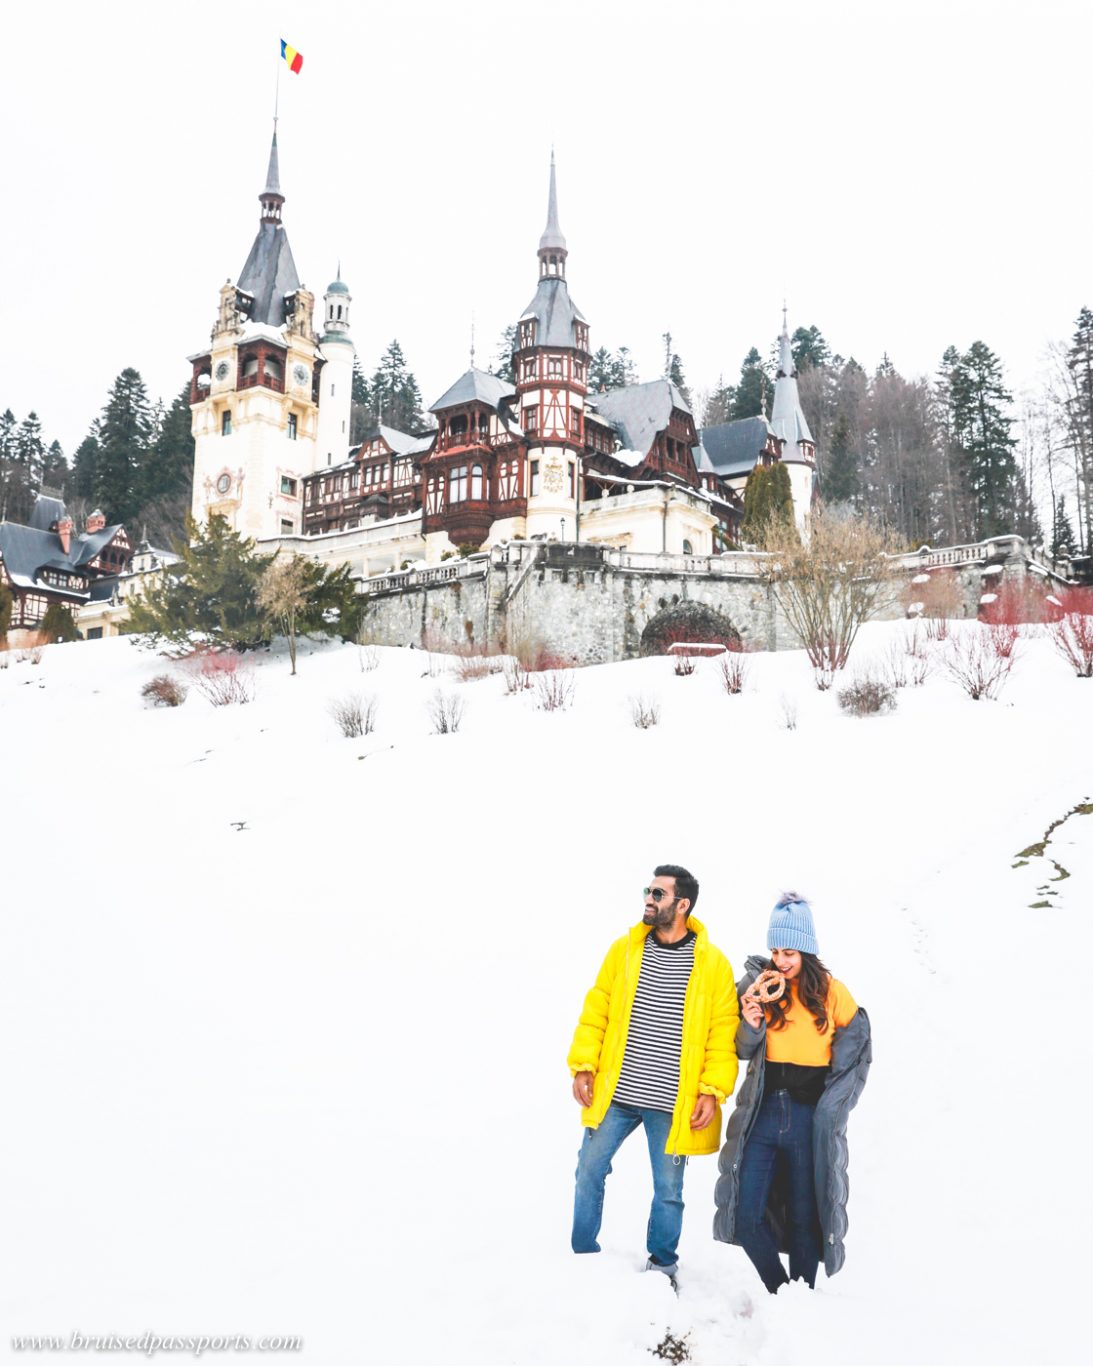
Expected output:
(751, 1010)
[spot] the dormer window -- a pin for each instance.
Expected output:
(527, 333)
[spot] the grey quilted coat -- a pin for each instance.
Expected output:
(851, 1054)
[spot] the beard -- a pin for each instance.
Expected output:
(661, 917)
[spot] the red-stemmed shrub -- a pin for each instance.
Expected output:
(1070, 627)
(972, 661)
(222, 677)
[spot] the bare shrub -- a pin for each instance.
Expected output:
(918, 669)
(684, 663)
(368, 657)
(1003, 636)
(896, 666)
(972, 662)
(914, 642)
(830, 587)
(533, 654)
(554, 690)
(867, 696)
(164, 691)
(824, 675)
(471, 665)
(936, 596)
(222, 677)
(937, 628)
(644, 711)
(445, 712)
(35, 655)
(732, 669)
(516, 676)
(788, 707)
(1014, 603)
(354, 714)
(1070, 628)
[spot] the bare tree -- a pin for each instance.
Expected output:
(282, 595)
(830, 587)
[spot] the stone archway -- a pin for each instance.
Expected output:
(693, 622)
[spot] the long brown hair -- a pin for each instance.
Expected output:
(813, 984)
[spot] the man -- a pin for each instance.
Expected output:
(655, 1046)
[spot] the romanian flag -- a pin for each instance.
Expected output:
(295, 61)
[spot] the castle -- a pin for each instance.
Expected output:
(542, 458)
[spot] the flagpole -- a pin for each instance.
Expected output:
(277, 92)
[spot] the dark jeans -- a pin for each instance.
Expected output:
(780, 1137)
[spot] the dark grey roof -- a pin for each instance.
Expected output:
(102, 590)
(474, 385)
(27, 550)
(640, 411)
(45, 512)
(787, 417)
(269, 274)
(273, 171)
(734, 447)
(555, 312)
(552, 238)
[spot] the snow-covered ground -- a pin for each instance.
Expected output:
(285, 1014)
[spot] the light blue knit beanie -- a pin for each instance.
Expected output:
(791, 925)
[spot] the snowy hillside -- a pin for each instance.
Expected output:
(286, 1014)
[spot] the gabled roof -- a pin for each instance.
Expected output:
(555, 312)
(734, 447)
(474, 386)
(639, 411)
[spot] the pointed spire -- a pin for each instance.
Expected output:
(786, 364)
(552, 248)
(271, 197)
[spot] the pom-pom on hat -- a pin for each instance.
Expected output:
(791, 925)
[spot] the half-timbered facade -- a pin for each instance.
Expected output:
(48, 561)
(381, 479)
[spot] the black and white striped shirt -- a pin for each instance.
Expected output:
(650, 1065)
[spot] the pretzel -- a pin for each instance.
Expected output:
(768, 986)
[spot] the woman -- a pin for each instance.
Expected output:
(783, 1185)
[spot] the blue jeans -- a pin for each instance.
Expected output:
(781, 1135)
(594, 1165)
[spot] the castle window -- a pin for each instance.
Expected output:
(578, 371)
(477, 483)
(688, 549)
(531, 419)
(292, 426)
(286, 527)
(226, 423)
(272, 368)
(250, 367)
(528, 369)
(457, 484)
(288, 486)
(527, 333)
(534, 477)
(354, 479)
(572, 485)
(554, 366)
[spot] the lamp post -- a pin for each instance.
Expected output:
(563, 528)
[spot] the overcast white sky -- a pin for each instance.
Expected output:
(908, 174)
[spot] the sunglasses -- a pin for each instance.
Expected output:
(657, 893)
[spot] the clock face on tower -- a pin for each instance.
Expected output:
(224, 483)
(221, 371)
(300, 374)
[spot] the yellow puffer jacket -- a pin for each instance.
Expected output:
(707, 1065)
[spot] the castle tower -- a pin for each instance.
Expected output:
(788, 421)
(551, 361)
(336, 382)
(254, 390)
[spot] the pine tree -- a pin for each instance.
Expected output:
(7, 460)
(58, 625)
(394, 396)
(750, 395)
(809, 348)
(55, 471)
(164, 479)
(840, 482)
(768, 501)
(1079, 416)
(125, 434)
(983, 431)
(719, 404)
(212, 593)
(502, 365)
(673, 367)
(1062, 533)
(24, 478)
(85, 465)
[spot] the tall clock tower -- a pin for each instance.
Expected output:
(254, 393)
